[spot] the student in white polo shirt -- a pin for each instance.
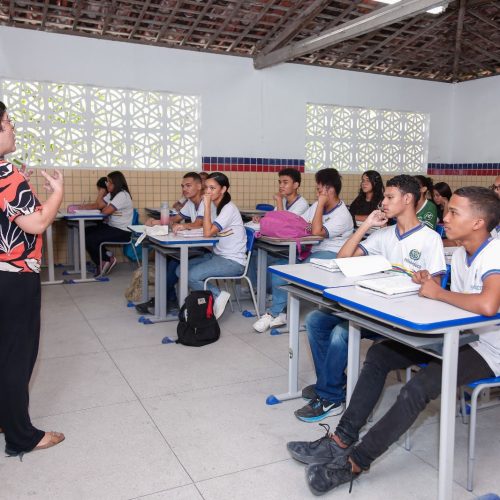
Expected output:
(495, 232)
(409, 244)
(475, 286)
(330, 218)
(117, 206)
(229, 254)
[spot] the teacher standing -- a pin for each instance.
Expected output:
(23, 219)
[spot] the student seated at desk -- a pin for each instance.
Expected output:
(371, 193)
(475, 287)
(192, 192)
(426, 210)
(409, 245)
(228, 257)
(183, 199)
(289, 199)
(117, 205)
(330, 219)
(441, 195)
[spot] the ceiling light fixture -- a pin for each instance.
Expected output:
(435, 10)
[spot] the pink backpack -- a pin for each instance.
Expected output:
(287, 225)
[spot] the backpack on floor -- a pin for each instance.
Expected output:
(287, 225)
(197, 324)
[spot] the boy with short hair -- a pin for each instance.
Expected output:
(408, 244)
(475, 287)
(329, 218)
(192, 191)
(288, 198)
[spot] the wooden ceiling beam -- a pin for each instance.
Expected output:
(458, 38)
(290, 31)
(351, 29)
(197, 21)
(227, 20)
(140, 18)
(166, 25)
(107, 19)
(44, 14)
(485, 20)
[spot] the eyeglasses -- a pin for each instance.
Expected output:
(495, 187)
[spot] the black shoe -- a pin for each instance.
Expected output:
(318, 409)
(145, 306)
(309, 392)
(322, 478)
(321, 451)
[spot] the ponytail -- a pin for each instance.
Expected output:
(223, 181)
(226, 198)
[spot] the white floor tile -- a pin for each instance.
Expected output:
(166, 369)
(183, 493)
(113, 452)
(62, 385)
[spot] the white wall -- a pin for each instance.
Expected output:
(245, 112)
(476, 119)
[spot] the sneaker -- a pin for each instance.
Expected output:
(322, 478)
(280, 320)
(220, 304)
(108, 266)
(145, 307)
(308, 392)
(318, 409)
(321, 451)
(264, 323)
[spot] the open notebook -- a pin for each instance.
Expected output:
(392, 286)
(354, 266)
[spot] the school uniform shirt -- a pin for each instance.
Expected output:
(418, 249)
(337, 224)
(428, 214)
(233, 246)
(298, 206)
(190, 210)
(20, 252)
(495, 233)
(467, 276)
(122, 217)
(201, 211)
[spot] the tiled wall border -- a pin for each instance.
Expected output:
(241, 164)
(237, 164)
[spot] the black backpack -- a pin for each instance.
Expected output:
(197, 324)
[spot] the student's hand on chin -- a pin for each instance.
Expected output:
(429, 289)
(207, 198)
(376, 219)
(322, 199)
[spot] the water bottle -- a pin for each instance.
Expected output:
(164, 214)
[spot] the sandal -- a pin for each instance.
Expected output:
(54, 439)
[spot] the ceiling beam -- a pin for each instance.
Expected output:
(166, 24)
(294, 27)
(140, 18)
(351, 29)
(458, 38)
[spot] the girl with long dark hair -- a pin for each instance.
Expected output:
(371, 193)
(426, 210)
(441, 194)
(117, 206)
(229, 254)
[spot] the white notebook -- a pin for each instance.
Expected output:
(354, 266)
(392, 286)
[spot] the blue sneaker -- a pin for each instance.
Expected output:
(318, 408)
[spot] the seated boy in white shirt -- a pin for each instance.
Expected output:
(410, 245)
(329, 218)
(495, 232)
(475, 287)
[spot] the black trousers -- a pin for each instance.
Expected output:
(95, 235)
(19, 337)
(412, 399)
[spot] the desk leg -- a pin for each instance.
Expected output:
(352, 359)
(83, 263)
(145, 273)
(183, 275)
(73, 250)
(447, 421)
(261, 279)
(50, 257)
(293, 354)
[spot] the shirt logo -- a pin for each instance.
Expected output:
(415, 254)
(428, 216)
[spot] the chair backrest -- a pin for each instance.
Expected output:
(135, 217)
(264, 206)
(440, 230)
(250, 238)
(445, 278)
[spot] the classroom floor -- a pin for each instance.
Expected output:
(154, 421)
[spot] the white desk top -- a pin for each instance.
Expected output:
(314, 278)
(178, 239)
(68, 216)
(411, 312)
(310, 240)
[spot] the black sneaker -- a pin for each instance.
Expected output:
(322, 478)
(318, 409)
(309, 392)
(145, 306)
(321, 451)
